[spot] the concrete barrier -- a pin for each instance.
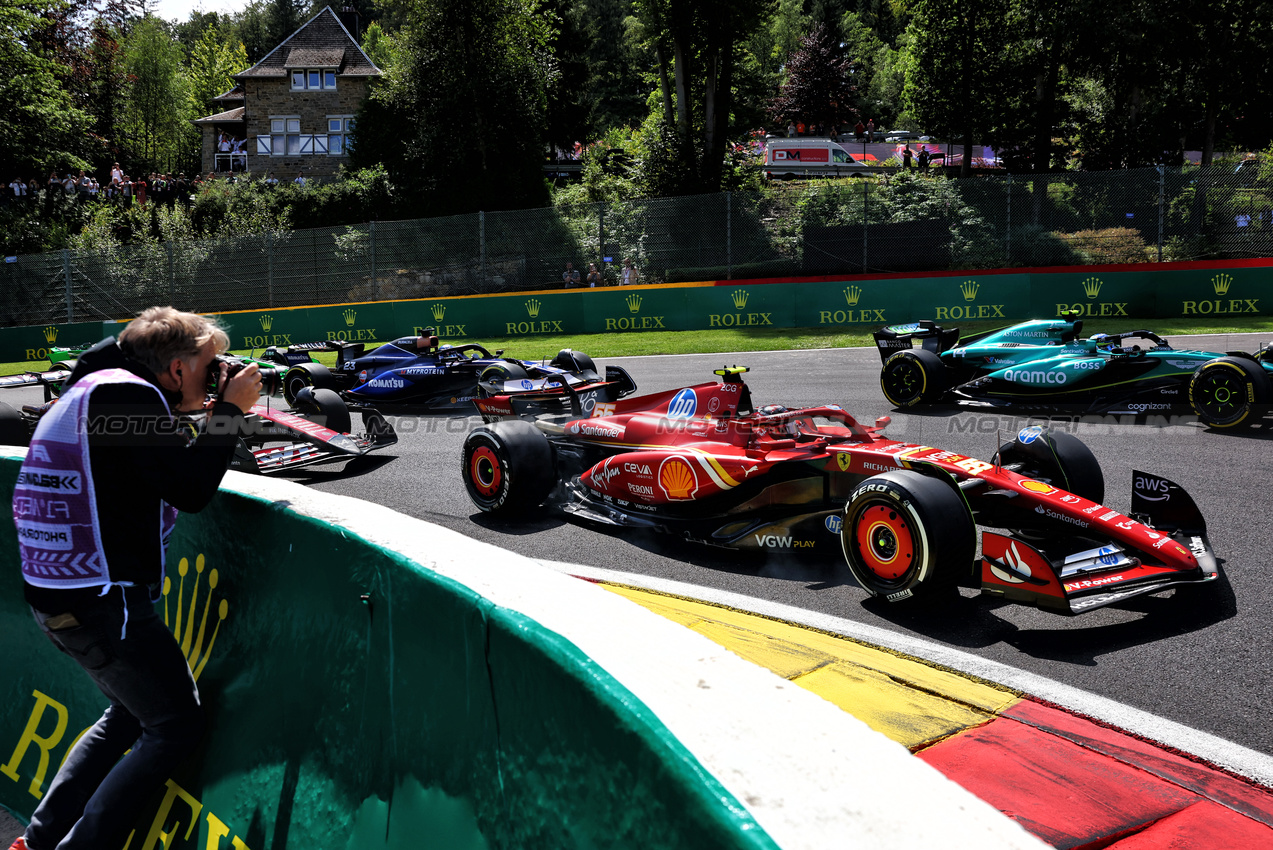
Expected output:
(376, 681)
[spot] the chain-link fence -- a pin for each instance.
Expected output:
(902, 222)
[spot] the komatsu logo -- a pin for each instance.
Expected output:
(1025, 376)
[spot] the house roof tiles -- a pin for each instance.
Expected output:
(322, 42)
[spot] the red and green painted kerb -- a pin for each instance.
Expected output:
(1104, 295)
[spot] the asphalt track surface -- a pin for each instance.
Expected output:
(1197, 656)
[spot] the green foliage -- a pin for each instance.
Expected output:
(213, 64)
(157, 121)
(459, 122)
(1108, 245)
(380, 46)
(819, 87)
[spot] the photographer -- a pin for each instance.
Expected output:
(108, 469)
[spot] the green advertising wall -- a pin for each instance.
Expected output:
(359, 700)
(1184, 290)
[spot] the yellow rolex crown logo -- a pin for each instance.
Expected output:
(189, 625)
(739, 297)
(969, 289)
(852, 294)
(532, 307)
(350, 315)
(634, 302)
(1221, 283)
(1092, 286)
(50, 334)
(267, 322)
(438, 311)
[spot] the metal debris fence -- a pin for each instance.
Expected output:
(899, 222)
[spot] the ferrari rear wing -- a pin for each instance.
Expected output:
(930, 335)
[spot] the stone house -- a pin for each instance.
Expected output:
(293, 112)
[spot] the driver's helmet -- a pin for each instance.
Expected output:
(771, 410)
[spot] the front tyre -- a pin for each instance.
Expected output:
(1061, 459)
(304, 375)
(325, 407)
(1229, 392)
(913, 376)
(13, 428)
(508, 467)
(907, 536)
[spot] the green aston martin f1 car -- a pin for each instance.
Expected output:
(1047, 365)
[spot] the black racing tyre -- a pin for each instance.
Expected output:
(907, 536)
(503, 371)
(325, 407)
(13, 428)
(1229, 392)
(306, 375)
(508, 467)
(1061, 459)
(573, 361)
(913, 376)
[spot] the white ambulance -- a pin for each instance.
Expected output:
(786, 159)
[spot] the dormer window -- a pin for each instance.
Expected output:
(313, 79)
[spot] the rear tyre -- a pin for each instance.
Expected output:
(503, 372)
(306, 375)
(907, 536)
(325, 407)
(573, 361)
(1061, 459)
(13, 428)
(913, 376)
(1229, 392)
(508, 467)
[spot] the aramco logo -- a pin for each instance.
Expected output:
(189, 622)
(438, 311)
(1092, 286)
(50, 334)
(350, 317)
(266, 321)
(852, 294)
(969, 288)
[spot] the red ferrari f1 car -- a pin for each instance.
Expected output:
(701, 463)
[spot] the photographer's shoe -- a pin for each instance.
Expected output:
(19, 843)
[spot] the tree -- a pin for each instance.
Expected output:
(954, 82)
(41, 128)
(157, 120)
(213, 64)
(459, 121)
(697, 45)
(819, 86)
(380, 46)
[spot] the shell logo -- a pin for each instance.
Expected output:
(1038, 487)
(677, 479)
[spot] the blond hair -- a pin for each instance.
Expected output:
(160, 335)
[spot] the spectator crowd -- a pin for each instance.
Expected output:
(165, 188)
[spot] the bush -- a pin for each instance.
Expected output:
(1109, 245)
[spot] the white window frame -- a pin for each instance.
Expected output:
(345, 128)
(305, 76)
(285, 134)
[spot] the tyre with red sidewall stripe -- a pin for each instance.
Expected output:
(508, 467)
(907, 536)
